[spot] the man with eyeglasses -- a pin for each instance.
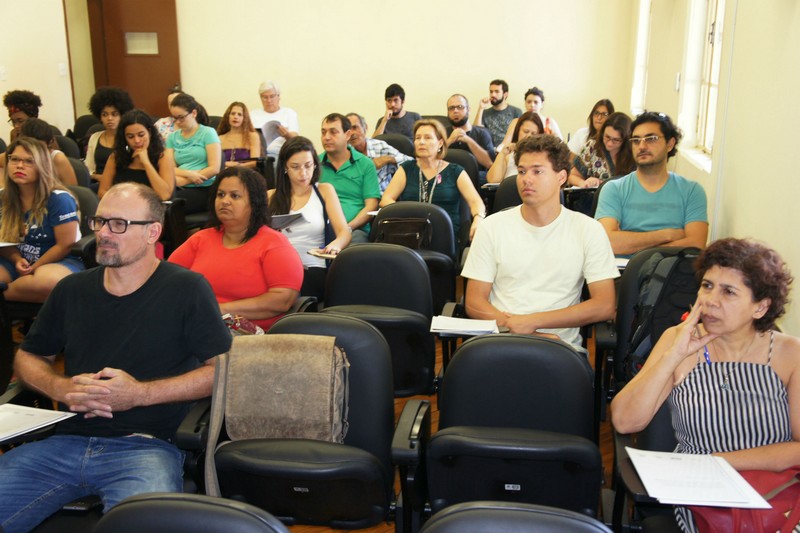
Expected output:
(277, 124)
(351, 173)
(651, 206)
(384, 156)
(139, 338)
(462, 135)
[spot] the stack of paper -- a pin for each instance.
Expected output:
(684, 479)
(462, 326)
(18, 419)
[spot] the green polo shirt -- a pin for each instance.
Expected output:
(355, 181)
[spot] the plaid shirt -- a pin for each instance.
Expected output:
(378, 148)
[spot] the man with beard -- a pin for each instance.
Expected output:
(385, 157)
(651, 206)
(139, 338)
(396, 119)
(464, 136)
(495, 113)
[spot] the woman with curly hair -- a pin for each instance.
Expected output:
(732, 382)
(139, 156)
(108, 104)
(21, 105)
(40, 215)
(240, 141)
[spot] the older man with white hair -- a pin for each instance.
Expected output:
(276, 123)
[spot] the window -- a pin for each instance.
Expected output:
(709, 80)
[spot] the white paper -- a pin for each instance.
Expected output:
(19, 419)
(270, 130)
(622, 262)
(685, 479)
(462, 326)
(279, 222)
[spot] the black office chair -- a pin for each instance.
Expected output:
(3, 146)
(399, 142)
(439, 255)
(167, 512)
(81, 172)
(389, 286)
(515, 424)
(504, 517)
(68, 146)
(629, 492)
(468, 161)
(443, 120)
(81, 128)
(507, 194)
(175, 231)
(213, 121)
(347, 486)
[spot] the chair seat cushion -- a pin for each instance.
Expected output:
(304, 481)
(468, 463)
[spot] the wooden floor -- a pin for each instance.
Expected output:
(606, 448)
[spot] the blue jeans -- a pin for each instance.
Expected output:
(38, 478)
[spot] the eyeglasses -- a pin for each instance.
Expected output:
(26, 161)
(454, 107)
(600, 114)
(613, 140)
(297, 168)
(649, 140)
(115, 225)
(17, 121)
(181, 117)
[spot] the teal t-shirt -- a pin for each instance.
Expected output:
(190, 154)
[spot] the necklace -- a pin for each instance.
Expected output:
(424, 195)
(726, 383)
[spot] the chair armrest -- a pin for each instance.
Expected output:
(84, 250)
(453, 309)
(192, 434)
(19, 395)
(303, 304)
(605, 336)
(410, 439)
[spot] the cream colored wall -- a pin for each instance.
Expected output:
(751, 194)
(340, 56)
(34, 44)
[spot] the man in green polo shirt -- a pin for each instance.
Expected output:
(351, 173)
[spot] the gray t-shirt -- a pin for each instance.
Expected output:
(404, 125)
(497, 121)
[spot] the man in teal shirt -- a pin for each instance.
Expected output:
(351, 173)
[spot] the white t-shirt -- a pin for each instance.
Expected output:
(308, 232)
(578, 140)
(535, 269)
(286, 116)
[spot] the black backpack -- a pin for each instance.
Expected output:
(667, 289)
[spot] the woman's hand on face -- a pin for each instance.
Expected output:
(687, 335)
(509, 148)
(23, 267)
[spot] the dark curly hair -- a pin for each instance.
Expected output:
(668, 128)
(114, 97)
(256, 195)
(24, 101)
(763, 270)
(281, 202)
(122, 154)
(557, 150)
(534, 91)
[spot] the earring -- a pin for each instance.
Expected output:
(128, 148)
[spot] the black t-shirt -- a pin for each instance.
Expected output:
(166, 328)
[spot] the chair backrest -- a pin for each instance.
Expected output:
(468, 161)
(371, 411)
(175, 231)
(166, 512)
(213, 121)
(3, 146)
(94, 128)
(507, 194)
(82, 125)
(380, 274)
(443, 120)
(442, 238)
(87, 203)
(81, 171)
(68, 146)
(480, 516)
(399, 142)
(659, 435)
(518, 381)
